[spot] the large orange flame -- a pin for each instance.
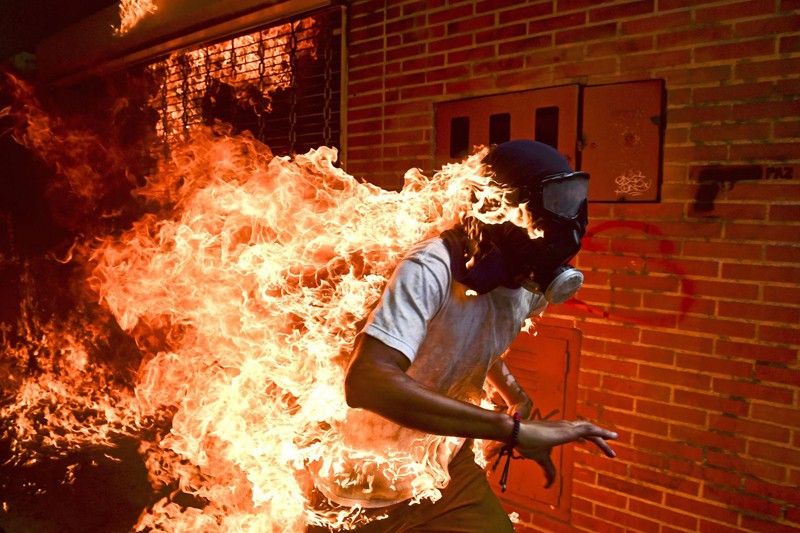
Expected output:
(244, 290)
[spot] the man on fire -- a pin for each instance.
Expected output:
(451, 309)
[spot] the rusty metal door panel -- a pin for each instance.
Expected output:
(622, 132)
(546, 365)
(514, 113)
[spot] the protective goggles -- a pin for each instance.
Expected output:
(562, 195)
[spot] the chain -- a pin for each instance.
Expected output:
(293, 89)
(261, 99)
(328, 92)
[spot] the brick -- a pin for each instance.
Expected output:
(761, 272)
(471, 54)
(741, 501)
(755, 351)
(746, 466)
(767, 151)
(787, 129)
(693, 36)
(736, 92)
(470, 85)
(704, 438)
(471, 24)
(751, 523)
(602, 464)
(773, 25)
(621, 517)
(666, 5)
(750, 428)
(714, 365)
(620, 11)
(403, 52)
(696, 153)
(608, 366)
(739, 49)
(684, 267)
(697, 507)
(446, 73)
(731, 10)
(636, 281)
(713, 527)
(656, 23)
(732, 132)
(666, 479)
(501, 33)
(556, 23)
(526, 12)
(763, 69)
(449, 43)
(585, 68)
(693, 115)
(639, 424)
(786, 335)
(668, 447)
(611, 297)
(677, 341)
(425, 62)
(753, 390)
(636, 388)
(732, 250)
(769, 109)
(654, 60)
(789, 45)
(605, 398)
(599, 494)
(427, 90)
(627, 487)
(610, 331)
(450, 14)
(586, 33)
(759, 312)
(671, 412)
(663, 515)
(524, 45)
(728, 328)
(641, 353)
(674, 377)
(782, 294)
(695, 76)
(711, 402)
(787, 376)
(591, 523)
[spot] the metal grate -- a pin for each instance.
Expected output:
(282, 83)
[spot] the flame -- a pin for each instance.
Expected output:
(242, 290)
(254, 65)
(133, 11)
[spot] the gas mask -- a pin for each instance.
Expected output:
(559, 208)
(555, 197)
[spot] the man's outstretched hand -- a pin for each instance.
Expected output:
(537, 439)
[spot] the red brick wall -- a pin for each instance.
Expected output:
(696, 362)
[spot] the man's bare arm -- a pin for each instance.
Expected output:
(377, 381)
(514, 396)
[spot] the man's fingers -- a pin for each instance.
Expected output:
(549, 470)
(603, 445)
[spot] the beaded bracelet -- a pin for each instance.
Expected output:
(508, 452)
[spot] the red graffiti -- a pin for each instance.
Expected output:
(665, 247)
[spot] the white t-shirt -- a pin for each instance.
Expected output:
(451, 339)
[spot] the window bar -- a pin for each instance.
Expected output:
(185, 71)
(165, 127)
(261, 86)
(328, 92)
(293, 89)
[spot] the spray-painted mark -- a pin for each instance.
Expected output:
(665, 247)
(712, 179)
(632, 183)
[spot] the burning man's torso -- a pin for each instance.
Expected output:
(383, 463)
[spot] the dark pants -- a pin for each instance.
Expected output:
(467, 505)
